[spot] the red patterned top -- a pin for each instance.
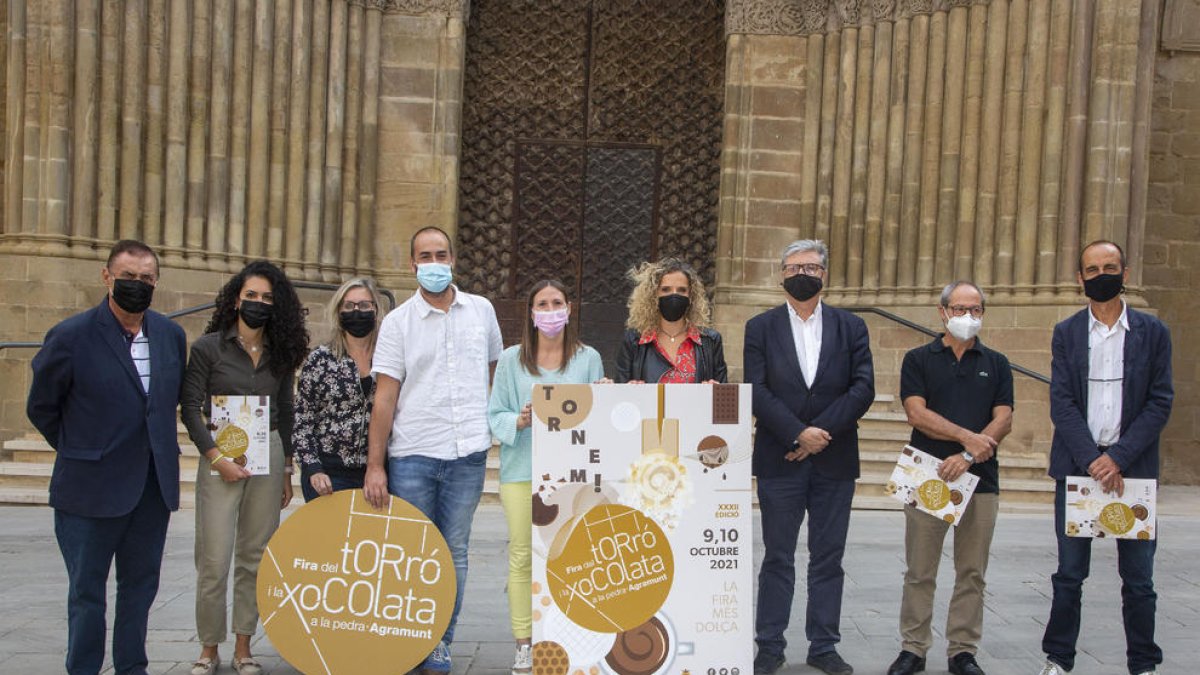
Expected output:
(683, 370)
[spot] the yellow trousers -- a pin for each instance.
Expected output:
(517, 499)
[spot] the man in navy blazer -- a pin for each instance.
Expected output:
(104, 394)
(811, 370)
(1110, 397)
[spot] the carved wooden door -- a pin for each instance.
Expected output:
(591, 142)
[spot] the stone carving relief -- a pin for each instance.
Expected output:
(883, 9)
(458, 8)
(777, 17)
(848, 12)
(805, 17)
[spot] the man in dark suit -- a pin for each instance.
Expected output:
(1110, 397)
(105, 389)
(810, 365)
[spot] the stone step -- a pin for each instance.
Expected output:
(1012, 467)
(17, 496)
(886, 403)
(1014, 490)
(188, 460)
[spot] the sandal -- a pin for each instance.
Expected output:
(247, 666)
(205, 666)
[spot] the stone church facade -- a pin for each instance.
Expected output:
(924, 140)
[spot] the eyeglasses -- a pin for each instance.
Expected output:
(151, 279)
(810, 269)
(959, 310)
(362, 306)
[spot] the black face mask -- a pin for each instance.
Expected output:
(1104, 287)
(802, 287)
(357, 323)
(132, 295)
(256, 314)
(673, 307)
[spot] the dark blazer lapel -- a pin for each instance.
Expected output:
(158, 354)
(110, 332)
(1134, 339)
(830, 329)
(787, 342)
(1079, 356)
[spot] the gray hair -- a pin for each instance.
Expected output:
(804, 245)
(952, 286)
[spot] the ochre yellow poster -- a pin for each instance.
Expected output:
(345, 589)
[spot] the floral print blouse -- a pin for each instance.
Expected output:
(333, 411)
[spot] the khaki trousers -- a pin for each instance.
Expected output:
(923, 538)
(233, 521)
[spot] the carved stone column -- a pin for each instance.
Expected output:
(421, 56)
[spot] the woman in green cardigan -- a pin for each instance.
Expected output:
(549, 353)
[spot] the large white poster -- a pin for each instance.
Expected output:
(642, 548)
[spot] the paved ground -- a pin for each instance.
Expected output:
(33, 623)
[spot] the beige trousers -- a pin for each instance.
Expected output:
(233, 521)
(923, 538)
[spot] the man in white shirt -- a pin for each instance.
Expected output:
(1110, 397)
(432, 361)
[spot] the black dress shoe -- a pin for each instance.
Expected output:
(907, 664)
(830, 663)
(767, 663)
(963, 663)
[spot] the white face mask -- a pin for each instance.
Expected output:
(964, 327)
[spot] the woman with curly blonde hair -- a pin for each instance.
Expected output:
(670, 339)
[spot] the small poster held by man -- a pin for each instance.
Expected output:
(1092, 512)
(240, 426)
(915, 481)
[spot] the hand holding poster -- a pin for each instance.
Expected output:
(1092, 512)
(915, 481)
(641, 513)
(240, 426)
(345, 589)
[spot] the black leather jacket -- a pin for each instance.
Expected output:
(643, 362)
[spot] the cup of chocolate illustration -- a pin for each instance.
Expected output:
(648, 649)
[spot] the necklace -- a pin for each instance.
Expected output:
(253, 350)
(664, 332)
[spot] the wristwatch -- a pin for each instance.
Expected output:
(968, 456)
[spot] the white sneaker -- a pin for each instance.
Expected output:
(1052, 668)
(523, 663)
(1152, 671)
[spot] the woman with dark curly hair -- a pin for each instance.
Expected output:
(252, 347)
(669, 337)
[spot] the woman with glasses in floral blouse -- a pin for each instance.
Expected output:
(333, 404)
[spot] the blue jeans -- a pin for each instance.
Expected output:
(447, 492)
(1135, 564)
(783, 502)
(88, 547)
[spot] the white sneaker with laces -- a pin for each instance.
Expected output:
(1052, 668)
(523, 663)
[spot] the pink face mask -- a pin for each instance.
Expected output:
(553, 322)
